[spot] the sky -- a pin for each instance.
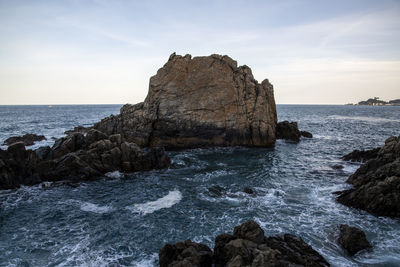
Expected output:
(105, 51)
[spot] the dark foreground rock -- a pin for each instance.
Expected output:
(27, 139)
(362, 155)
(377, 183)
(290, 131)
(76, 158)
(200, 101)
(352, 239)
(184, 254)
(246, 247)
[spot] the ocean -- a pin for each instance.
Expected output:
(125, 219)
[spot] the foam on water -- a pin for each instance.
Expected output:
(165, 202)
(90, 207)
(114, 175)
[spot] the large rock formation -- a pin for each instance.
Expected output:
(200, 101)
(246, 247)
(377, 182)
(76, 157)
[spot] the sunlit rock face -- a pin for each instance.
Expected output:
(200, 101)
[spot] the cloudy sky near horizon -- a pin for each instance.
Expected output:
(103, 51)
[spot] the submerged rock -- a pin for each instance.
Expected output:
(27, 139)
(290, 131)
(352, 239)
(306, 134)
(200, 101)
(246, 247)
(377, 183)
(75, 158)
(248, 190)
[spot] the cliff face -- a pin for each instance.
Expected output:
(200, 101)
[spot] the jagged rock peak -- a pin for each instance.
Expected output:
(199, 101)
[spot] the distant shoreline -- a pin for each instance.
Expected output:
(376, 102)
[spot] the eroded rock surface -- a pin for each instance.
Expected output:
(246, 247)
(352, 239)
(75, 158)
(377, 183)
(200, 101)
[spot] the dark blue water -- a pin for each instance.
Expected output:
(124, 220)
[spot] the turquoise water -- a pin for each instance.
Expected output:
(125, 219)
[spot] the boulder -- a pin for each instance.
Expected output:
(377, 183)
(352, 239)
(249, 230)
(17, 165)
(200, 101)
(246, 247)
(27, 139)
(361, 155)
(288, 130)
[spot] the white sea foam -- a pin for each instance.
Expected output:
(114, 175)
(90, 207)
(147, 262)
(362, 118)
(167, 201)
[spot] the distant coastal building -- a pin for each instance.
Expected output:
(376, 102)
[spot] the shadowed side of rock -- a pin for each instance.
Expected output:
(377, 183)
(200, 101)
(76, 157)
(246, 247)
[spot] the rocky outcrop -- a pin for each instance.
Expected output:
(290, 131)
(27, 139)
(246, 247)
(352, 239)
(200, 101)
(377, 183)
(361, 155)
(76, 158)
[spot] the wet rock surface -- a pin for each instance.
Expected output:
(75, 158)
(246, 247)
(352, 239)
(361, 155)
(27, 139)
(196, 102)
(290, 131)
(377, 183)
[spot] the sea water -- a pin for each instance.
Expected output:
(125, 219)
